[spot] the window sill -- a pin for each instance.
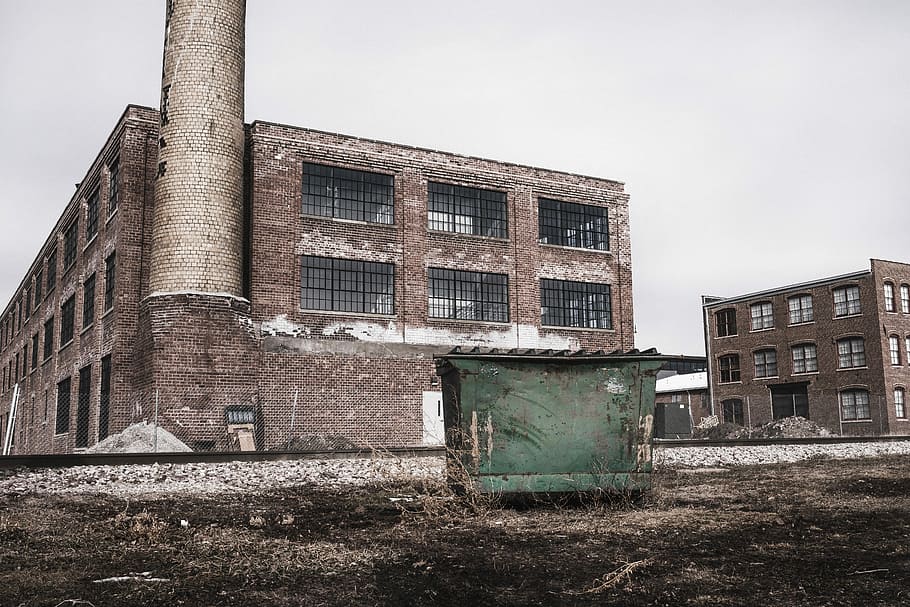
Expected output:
(359, 222)
(803, 373)
(46, 360)
(801, 324)
(867, 420)
(769, 377)
(863, 368)
(727, 336)
(730, 383)
(570, 248)
(62, 434)
(86, 329)
(65, 346)
(89, 243)
(847, 316)
(562, 328)
(502, 239)
(111, 216)
(761, 330)
(107, 312)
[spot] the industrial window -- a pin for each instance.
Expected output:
(48, 337)
(88, 301)
(345, 285)
(82, 406)
(907, 348)
(726, 322)
(62, 425)
(846, 301)
(569, 224)
(762, 316)
(900, 409)
(39, 278)
(455, 208)
(348, 194)
(905, 299)
(70, 240)
(51, 271)
(765, 363)
(889, 297)
(468, 295)
(851, 353)
(16, 368)
(67, 320)
(805, 358)
(35, 351)
(566, 303)
(104, 407)
(91, 215)
(114, 189)
(110, 270)
(894, 349)
(800, 309)
(733, 411)
(729, 368)
(854, 404)
(27, 303)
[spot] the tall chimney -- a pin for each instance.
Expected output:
(197, 232)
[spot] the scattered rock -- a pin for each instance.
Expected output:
(139, 438)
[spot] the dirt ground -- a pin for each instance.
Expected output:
(823, 532)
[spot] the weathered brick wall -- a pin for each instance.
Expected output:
(824, 332)
(197, 240)
(893, 323)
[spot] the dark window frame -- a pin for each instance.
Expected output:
(64, 398)
(113, 186)
(900, 402)
(331, 284)
(67, 321)
(71, 245)
(51, 277)
(847, 301)
(467, 210)
(351, 194)
(725, 322)
(48, 338)
(888, 295)
(88, 301)
(732, 409)
(569, 303)
(905, 298)
(729, 368)
(92, 214)
(800, 313)
(35, 343)
(466, 295)
(801, 363)
(765, 363)
(894, 349)
(110, 278)
(764, 320)
(573, 224)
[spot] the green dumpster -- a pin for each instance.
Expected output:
(544, 421)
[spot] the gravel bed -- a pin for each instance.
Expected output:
(162, 480)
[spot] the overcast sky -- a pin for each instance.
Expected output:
(762, 143)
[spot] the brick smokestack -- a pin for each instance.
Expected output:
(197, 232)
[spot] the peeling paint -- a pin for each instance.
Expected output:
(511, 336)
(645, 426)
(489, 430)
(475, 443)
(615, 383)
(280, 325)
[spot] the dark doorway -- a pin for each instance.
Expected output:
(672, 420)
(85, 391)
(788, 400)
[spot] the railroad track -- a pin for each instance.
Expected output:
(117, 459)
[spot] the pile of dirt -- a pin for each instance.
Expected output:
(139, 438)
(787, 427)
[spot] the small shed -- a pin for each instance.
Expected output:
(549, 421)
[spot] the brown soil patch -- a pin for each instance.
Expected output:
(816, 533)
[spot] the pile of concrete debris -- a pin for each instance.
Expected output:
(787, 427)
(140, 438)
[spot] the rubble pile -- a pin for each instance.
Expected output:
(787, 427)
(139, 438)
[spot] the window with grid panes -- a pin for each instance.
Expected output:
(110, 277)
(765, 363)
(39, 278)
(762, 316)
(465, 210)
(346, 285)
(70, 243)
(729, 368)
(888, 290)
(800, 307)
(88, 301)
(725, 320)
(51, 271)
(905, 299)
(67, 320)
(91, 214)
(894, 349)
(27, 303)
(854, 405)
(35, 351)
(348, 194)
(62, 424)
(805, 358)
(48, 337)
(900, 409)
(468, 295)
(851, 352)
(567, 303)
(113, 186)
(570, 224)
(846, 301)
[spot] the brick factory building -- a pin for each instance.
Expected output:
(208, 272)
(834, 350)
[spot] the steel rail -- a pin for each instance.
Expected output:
(760, 442)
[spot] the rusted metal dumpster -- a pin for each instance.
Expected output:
(544, 421)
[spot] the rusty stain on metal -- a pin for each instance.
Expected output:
(646, 427)
(475, 442)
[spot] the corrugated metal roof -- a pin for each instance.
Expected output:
(475, 351)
